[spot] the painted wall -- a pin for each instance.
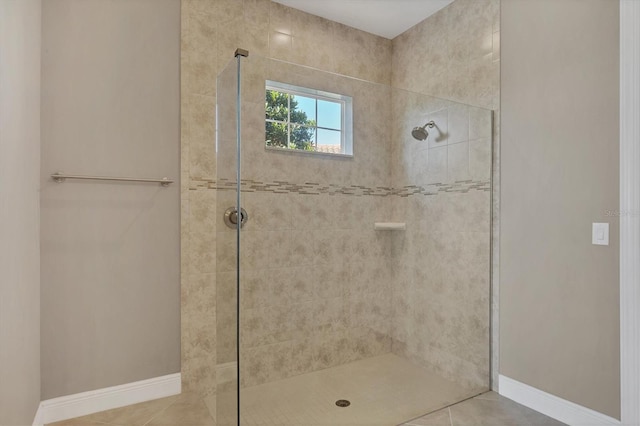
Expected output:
(559, 307)
(19, 210)
(110, 251)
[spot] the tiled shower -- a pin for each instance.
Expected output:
(320, 287)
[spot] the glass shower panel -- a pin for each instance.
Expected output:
(226, 247)
(342, 323)
(441, 273)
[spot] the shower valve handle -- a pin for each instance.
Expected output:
(231, 217)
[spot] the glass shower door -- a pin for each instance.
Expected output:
(228, 204)
(357, 293)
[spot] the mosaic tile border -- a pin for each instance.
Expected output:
(314, 188)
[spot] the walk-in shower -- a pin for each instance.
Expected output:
(318, 305)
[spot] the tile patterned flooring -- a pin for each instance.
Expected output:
(488, 409)
(384, 391)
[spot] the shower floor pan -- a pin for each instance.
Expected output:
(385, 390)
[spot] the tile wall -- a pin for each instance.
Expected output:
(455, 54)
(317, 281)
(441, 263)
(316, 277)
(344, 318)
(211, 31)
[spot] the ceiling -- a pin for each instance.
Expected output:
(386, 18)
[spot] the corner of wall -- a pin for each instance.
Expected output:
(20, 29)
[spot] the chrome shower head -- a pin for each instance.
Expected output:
(420, 133)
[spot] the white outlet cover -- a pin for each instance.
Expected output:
(600, 234)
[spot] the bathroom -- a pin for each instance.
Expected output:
(374, 284)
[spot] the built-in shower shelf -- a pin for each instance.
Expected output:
(390, 226)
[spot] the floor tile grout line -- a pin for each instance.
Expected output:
(482, 398)
(90, 422)
(160, 412)
(448, 408)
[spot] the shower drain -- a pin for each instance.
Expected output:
(343, 403)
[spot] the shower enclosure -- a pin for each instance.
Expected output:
(357, 290)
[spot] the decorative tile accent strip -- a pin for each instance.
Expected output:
(314, 188)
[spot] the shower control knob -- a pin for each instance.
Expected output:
(231, 217)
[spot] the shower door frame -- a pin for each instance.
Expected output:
(239, 54)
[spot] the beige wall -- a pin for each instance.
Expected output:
(211, 32)
(19, 210)
(442, 268)
(315, 275)
(110, 251)
(559, 308)
(455, 54)
(271, 30)
(441, 265)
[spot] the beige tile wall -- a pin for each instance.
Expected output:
(315, 275)
(455, 54)
(441, 263)
(345, 315)
(211, 31)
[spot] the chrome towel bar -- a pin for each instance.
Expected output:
(61, 177)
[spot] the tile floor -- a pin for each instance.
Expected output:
(384, 391)
(488, 409)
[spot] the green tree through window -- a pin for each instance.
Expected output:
(286, 126)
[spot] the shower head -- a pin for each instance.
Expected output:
(420, 133)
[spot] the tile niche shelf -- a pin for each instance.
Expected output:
(390, 226)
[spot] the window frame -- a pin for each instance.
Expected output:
(346, 117)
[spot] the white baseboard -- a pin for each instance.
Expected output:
(82, 404)
(37, 420)
(552, 406)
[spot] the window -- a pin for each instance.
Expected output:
(309, 120)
